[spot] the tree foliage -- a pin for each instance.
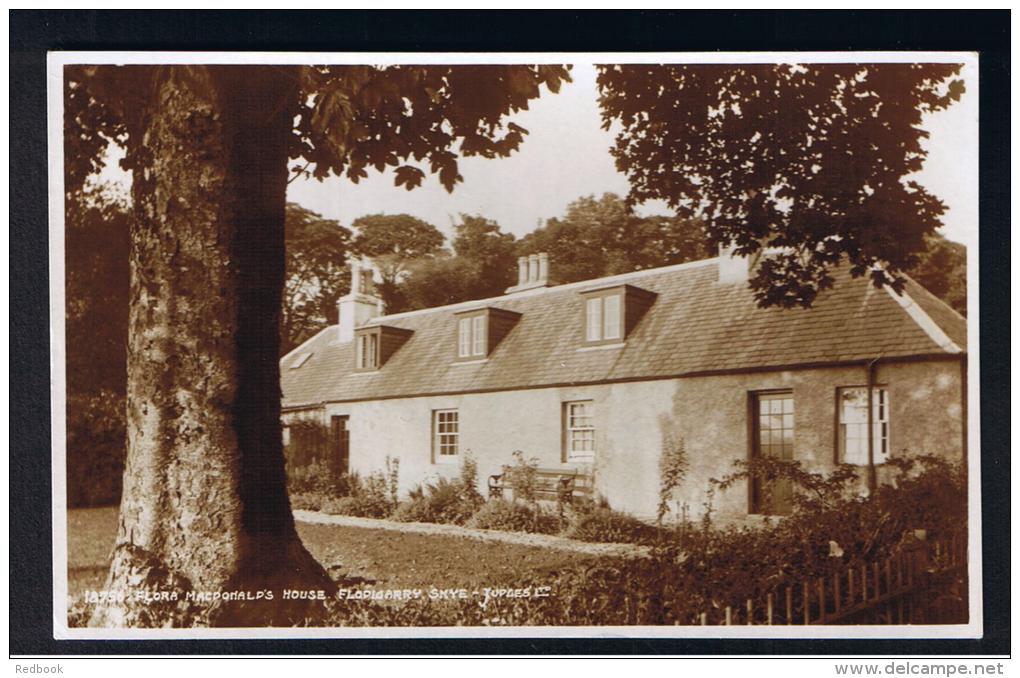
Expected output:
(96, 229)
(942, 269)
(317, 274)
(483, 264)
(811, 158)
(603, 236)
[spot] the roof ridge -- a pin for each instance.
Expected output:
(923, 320)
(537, 291)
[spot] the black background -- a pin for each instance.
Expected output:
(35, 32)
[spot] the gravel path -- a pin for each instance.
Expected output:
(523, 538)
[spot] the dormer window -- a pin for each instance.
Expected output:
(611, 313)
(603, 318)
(374, 345)
(479, 331)
(368, 351)
(471, 336)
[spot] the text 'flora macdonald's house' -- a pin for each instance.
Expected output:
(602, 375)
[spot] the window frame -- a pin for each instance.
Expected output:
(600, 320)
(568, 454)
(754, 429)
(472, 335)
(367, 346)
(881, 420)
(438, 443)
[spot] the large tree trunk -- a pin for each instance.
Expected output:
(205, 506)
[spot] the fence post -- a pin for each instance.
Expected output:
(729, 618)
(768, 602)
(789, 605)
(835, 590)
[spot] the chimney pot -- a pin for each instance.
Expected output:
(532, 268)
(543, 266)
(522, 270)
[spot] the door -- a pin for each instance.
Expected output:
(772, 436)
(340, 443)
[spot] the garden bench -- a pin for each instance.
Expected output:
(559, 484)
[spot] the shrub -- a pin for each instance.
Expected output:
(314, 478)
(603, 524)
(514, 516)
(368, 498)
(307, 501)
(445, 501)
(523, 476)
(672, 468)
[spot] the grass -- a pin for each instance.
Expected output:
(373, 557)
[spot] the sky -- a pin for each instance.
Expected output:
(566, 156)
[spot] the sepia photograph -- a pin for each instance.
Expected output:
(649, 344)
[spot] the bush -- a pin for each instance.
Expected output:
(603, 524)
(307, 501)
(514, 516)
(368, 498)
(445, 501)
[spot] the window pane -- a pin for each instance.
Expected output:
(464, 337)
(611, 318)
(361, 351)
(594, 319)
(478, 346)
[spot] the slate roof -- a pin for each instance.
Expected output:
(696, 325)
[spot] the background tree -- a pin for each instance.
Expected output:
(317, 274)
(96, 228)
(204, 503)
(393, 241)
(942, 268)
(603, 236)
(483, 264)
(813, 158)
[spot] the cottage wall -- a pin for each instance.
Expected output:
(632, 420)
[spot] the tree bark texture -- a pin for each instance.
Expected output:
(204, 504)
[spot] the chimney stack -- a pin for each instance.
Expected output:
(361, 304)
(532, 272)
(522, 270)
(737, 268)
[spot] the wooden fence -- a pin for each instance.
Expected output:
(925, 583)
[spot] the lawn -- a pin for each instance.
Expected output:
(373, 557)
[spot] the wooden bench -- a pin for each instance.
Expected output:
(558, 484)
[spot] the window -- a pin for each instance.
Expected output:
(472, 339)
(602, 321)
(445, 436)
(852, 403)
(772, 437)
(368, 351)
(579, 438)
